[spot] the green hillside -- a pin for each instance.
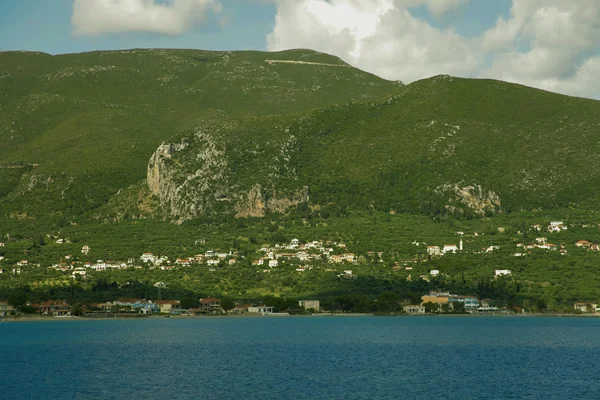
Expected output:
(442, 146)
(90, 122)
(181, 152)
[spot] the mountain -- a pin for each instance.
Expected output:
(77, 128)
(186, 134)
(457, 147)
(182, 152)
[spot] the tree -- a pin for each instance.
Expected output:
(541, 305)
(227, 304)
(431, 307)
(17, 300)
(459, 307)
(388, 302)
(189, 302)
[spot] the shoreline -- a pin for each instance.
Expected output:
(156, 317)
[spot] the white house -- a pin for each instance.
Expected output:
(434, 250)
(450, 248)
(294, 243)
(85, 249)
(212, 262)
(556, 223)
(148, 258)
(414, 309)
(273, 263)
(503, 272)
(1, 244)
(264, 310)
(434, 272)
(99, 266)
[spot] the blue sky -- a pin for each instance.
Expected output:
(45, 25)
(549, 44)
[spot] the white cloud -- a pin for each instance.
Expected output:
(436, 7)
(380, 36)
(173, 17)
(549, 44)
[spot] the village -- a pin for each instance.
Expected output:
(298, 257)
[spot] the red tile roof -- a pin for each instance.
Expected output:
(209, 300)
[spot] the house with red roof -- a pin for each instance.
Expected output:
(211, 305)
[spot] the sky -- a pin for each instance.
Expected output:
(549, 44)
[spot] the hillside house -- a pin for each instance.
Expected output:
(434, 272)
(434, 250)
(347, 274)
(5, 308)
(595, 247)
(85, 250)
(450, 248)
(541, 240)
(232, 261)
(212, 262)
(210, 305)
(273, 263)
(126, 302)
(414, 309)
(148, 258)
(310, 304)
(146, 307)
(537, 228)
(55, 308)
(1, 244)
(166, 306)
(22, 263)
(585, 307)
(264, 310)
(503, 272)
(583, 243)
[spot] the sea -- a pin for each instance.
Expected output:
(325, 357)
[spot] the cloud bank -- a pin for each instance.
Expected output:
(171, 17)
(549, 44)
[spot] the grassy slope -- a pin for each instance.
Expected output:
(97, 117)
(532, 148)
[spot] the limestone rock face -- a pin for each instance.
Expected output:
(195, 178)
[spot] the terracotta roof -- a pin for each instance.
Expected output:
(171, 302)
(209, 300)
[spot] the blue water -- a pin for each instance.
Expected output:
(302, 358)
